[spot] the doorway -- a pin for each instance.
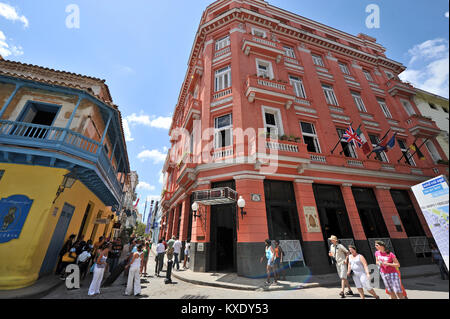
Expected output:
(57, 241)
(37, 113)
(408, 215)
(223, 234)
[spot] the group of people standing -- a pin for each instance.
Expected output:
(113, 257)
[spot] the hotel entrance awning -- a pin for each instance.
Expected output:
(216, 196)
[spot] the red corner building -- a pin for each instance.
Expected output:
(262, 117)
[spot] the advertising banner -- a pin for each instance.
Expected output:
(432, 197)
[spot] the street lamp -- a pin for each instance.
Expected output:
(68, 181)
(241, 205)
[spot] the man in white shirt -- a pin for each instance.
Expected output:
(176, 252)
(340, 257)
(160, 251)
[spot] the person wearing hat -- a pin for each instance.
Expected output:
(339, 255)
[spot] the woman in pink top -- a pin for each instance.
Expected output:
(388, 264)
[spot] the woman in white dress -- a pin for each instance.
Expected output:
(99, 269)
(134, 279)
(361, 276)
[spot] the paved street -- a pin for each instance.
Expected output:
(431, 287)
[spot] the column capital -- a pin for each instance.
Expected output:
(347, 184)
(304, 181)
(385, 187)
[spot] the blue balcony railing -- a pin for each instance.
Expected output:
(63, 140)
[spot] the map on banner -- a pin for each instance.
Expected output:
(433, 199)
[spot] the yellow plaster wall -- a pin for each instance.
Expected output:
(21, 258)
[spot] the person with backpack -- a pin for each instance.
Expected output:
(339, 256)
(169, 254)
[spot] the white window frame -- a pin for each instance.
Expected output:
(218, 130)
(382, 154)
(314, 135)
(432, 150)
(330, 96)
(221, 78)
(344, 68)
(408, 107)
(222, 43)
(299, 88)
(368, 75)
(256, 30)
(405, 150)
(389, 74)
(289, 51)
(278, 120)
(268, 65)
(359, 102)
(317, 60)
(384, 108)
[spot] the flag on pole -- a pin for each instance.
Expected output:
(351, 136)
(385, 145)
(365, 145)
(135, 205)
(414, 148)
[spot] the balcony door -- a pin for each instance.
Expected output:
(36, 113)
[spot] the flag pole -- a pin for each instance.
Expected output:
(418, 148)
(403, 155)
(340, 138)
(368, 156)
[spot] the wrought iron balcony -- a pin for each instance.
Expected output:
(216, 196)
(34, 144)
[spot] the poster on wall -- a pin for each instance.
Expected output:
(432, 197)
(13, 213)
(312, 219)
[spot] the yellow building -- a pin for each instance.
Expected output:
(63, 165)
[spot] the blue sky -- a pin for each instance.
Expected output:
(141, 48)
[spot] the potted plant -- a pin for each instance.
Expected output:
(283, 138)
(298, 139)
(291, 138)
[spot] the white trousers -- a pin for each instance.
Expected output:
(134, 281)
(94, 288)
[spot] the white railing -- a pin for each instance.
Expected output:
(266, 42)
(318, 158)
(272, 84)
(222, 94)
(301, 101)
(282, 147)
(222, 52)
(355, 163)
(223, 153)
(290, 60)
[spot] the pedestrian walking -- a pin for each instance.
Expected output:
(169, 254)
(99, 269)
(134, 280)
(357, 266)
(388, 270)
(269, 254)
(114, 254)
(436, 257)
(279, 254)
(176, 252)
(146, 252)
(83, 260)
(186, 253)
(159, 259)
(339, 255)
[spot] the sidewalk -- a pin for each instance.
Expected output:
(39, 289)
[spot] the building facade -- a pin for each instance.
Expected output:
(435, 107)
(265, 102)
(63, 167)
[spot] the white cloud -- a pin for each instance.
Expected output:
(8, 49)
(446, 15)
(10, 13)
(150, 120)
(161, 178)
(155, 155)
(145, 186)
(428, 68)
(126, 131)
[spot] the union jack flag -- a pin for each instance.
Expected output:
(351, 136)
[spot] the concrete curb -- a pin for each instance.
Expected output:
(35, 293)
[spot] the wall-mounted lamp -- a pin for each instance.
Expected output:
(241, 205)
(195, 209)
(68, 181)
